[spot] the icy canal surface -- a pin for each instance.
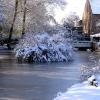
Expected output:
(37, 81)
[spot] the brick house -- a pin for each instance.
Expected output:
(91, 17)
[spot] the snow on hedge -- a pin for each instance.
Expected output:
(83, 91)
(44, 48)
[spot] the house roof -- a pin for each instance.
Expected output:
(96, 35)
(95, 6)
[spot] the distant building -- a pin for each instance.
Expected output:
(91, 17)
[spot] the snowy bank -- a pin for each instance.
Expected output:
(83, 91)
(44, 48)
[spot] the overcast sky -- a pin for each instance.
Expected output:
(95, 6)
(72, 6)
(76, 6)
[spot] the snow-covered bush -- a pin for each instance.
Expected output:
(43, 47)
(91, 68)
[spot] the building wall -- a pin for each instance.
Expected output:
(95, 23)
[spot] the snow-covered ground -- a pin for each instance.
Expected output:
(82, 91)
(44, 48)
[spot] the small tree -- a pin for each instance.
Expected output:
(70, 20)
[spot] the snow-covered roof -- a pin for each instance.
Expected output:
(96, 35)
(95, 5)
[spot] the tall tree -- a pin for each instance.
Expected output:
(14, 18)
(2, 16)
(87, 16)
(24, 17)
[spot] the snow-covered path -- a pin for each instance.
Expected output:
(82, 91)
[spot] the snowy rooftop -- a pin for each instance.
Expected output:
(95, 5)
(96, 35)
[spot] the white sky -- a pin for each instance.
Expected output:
(76, 6)
(72, 6)
(95, 6)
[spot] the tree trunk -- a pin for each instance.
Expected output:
(24, 17)
(12, 26)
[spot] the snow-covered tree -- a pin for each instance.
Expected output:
(70, 20)
(37, 17)
(2, 17)
(14, 19)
